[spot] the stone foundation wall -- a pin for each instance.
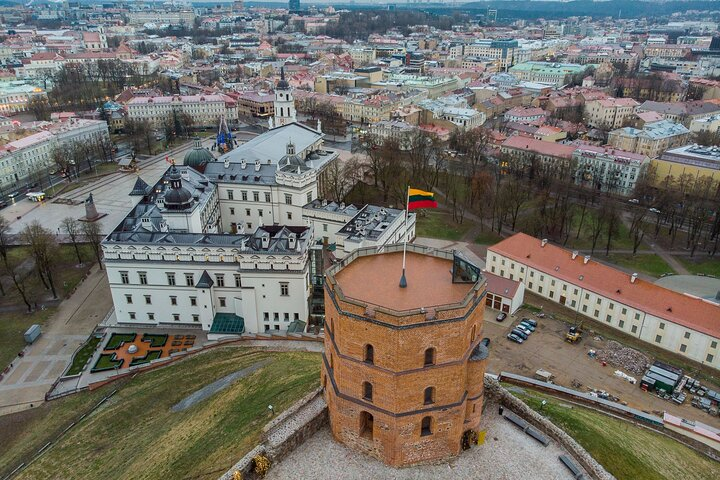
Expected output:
(495, 392)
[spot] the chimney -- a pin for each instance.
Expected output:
(586, 259)
(257, 165)
(574, 254)
(543, 242)
(633, 277)
(243, 164)
(227, 163)
(292, 241)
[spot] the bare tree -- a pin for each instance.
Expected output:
(11, 267)
(94, 237)
(44, 250)
(72, 227)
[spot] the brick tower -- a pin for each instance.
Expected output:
(403, 367)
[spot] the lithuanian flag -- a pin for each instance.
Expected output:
(420, 199)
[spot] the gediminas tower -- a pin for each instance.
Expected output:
(403, 368)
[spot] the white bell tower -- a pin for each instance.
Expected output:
(284, 102)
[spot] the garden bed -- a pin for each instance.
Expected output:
(107, 361)
(149, 357)
(118, 339)
(156, 340)
(83, 355)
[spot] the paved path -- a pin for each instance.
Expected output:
(45, 360)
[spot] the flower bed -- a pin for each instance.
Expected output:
(118, 339)
(107, 361)
(156, 340)
(149, 357)
(83, 355)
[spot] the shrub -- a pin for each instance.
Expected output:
(237, 475)
(262, 465)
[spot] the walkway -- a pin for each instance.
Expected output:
(45, 360)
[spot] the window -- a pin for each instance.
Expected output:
(232, 211)
(575, 292)
(284, 289)
(148, 300)
(637, 316)
(173, 300)
(260, 212)
(171, 278)
(658, 338)
(662, 325)
(151, 316)
(286, 317)
(267, 197)
(587, 296)
(132, 315)
(426, 427)
(366, 425)
(624, 311)
(429, 396)
(256, 196)
(596, 313)
(369, 356)
(584, 308)
(608, 318)
(529, 285)
(247, 212)
(289, 215)
(713, 344)
(367, 391)
(143, 278)
(193, 301)
(176, 317)
(634, 329)
(687, 334)
(709, 358)
(124, 278)
(267, 328)
(196, 317)
(611, 306)
(230, 195)
(220, 279)
(309, 197)
(189, 279)
(276, 317)
(539, 288)
(683, 347)
(621, 323)
(222, 301)
(128, 299)
(429, 357)
(288, 199)
(598, 301)
(249, 225)
(296, 316)
(238, 281)
(572, 304)
(243, 195)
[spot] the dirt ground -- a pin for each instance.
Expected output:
(547, 349)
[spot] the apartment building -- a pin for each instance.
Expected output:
(205, 110)
(677, 322)
(547, 72)
(652, 140)
(609, 113)
(608, 169)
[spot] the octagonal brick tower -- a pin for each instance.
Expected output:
(403, 367)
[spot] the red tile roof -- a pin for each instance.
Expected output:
(501, 286)
(539, 146)
(682, 309)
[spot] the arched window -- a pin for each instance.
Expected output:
(429, 356)
(366, 425)
(330, 360)
(369, 354)
(429, 395)
(426, 427)
(367, 391)
(472, 335)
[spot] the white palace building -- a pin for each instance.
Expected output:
(234, 244)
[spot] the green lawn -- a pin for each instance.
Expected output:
(106, 361)
(149, 357)
(155, 340)
(649, 264)
(488, 238)
(439, 224)
(83, 355)
(136, 435)
(117, 339)
(623, 449)
(702, 264)
(12, 327)
(620, 240)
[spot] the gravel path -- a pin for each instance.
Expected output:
(213, 388)
(508, 453)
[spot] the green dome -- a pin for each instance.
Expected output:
(198, 157)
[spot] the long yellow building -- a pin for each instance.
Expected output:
(695, 160)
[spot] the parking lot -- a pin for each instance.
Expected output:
(547, 349)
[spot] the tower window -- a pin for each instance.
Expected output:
(429, 357)
(429, 396)
(426, 427)
(366, 425)
(367, 391)
(369, 354)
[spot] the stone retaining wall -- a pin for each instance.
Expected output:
(494, 391)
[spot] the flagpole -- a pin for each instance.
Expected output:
(403, 280)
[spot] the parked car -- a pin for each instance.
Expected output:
(655, 210)
(529, 321)
(526, 326)
(501, 316)
(514, 338)
(520, 333)
(634, 200)
(526, 331)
